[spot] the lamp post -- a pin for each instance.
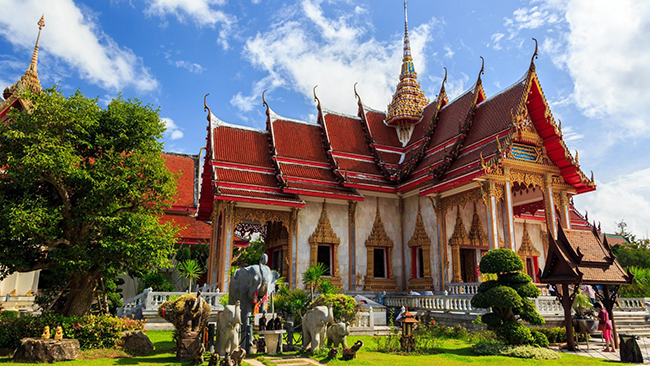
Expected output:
(407, 341)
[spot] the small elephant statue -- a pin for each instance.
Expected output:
(336, 335)
(314, 326)
(228, 324)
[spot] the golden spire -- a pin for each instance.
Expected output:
(34, 63)
(30, 79)
(408, 101)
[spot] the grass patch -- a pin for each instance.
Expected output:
(452, 352)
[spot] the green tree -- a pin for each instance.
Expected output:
(190, 270)
(313, 277)
(507, 296)
(82, 192)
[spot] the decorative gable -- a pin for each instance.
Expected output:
(378, 240)
(324, 234)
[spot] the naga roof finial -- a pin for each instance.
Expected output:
(206, 108)
(315, 97)
(445, 78)
(265, 104)
(532, 60)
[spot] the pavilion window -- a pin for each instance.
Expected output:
(379, 263)
(325, 257)
(417, 262)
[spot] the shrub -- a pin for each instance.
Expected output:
(516, 333)
(539, 339)
(9, 315)
(500, 261)
(92, 331)
(494, 349)
(554, 335)
(345, 307)
(292, 303)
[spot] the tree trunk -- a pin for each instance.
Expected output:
(80, 295)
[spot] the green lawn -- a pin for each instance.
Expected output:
(453, 352)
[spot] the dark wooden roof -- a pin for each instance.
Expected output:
(580, 257)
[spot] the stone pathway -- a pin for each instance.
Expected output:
(285, 361)
(596, 345)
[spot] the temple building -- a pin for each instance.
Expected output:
(407, 199)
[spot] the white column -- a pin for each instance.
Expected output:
(509, 219)
(550, 206)
(493, 233)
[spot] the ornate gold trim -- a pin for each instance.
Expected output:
(379, 239)
(477, 236)
(324, 234)
(458, 238)
(420, 238)
(262, 216)
(526, 249)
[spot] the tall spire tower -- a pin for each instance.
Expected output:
(30, 79)
(405, 110)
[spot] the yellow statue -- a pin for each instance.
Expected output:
(59, 334)
(13, 293)
(29, 293)
(46, 333)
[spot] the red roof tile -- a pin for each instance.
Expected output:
(302, 171)
(241, 146)
(382, 134)
(184, 165)
(246, 177)
(346, 134)
(299, 141)
(352, 165)
(191, 228)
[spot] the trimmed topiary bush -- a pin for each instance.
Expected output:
(507, 296)
(539, 339)
(345, 307)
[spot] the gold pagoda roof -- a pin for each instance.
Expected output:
(30, 79)
(409, 99)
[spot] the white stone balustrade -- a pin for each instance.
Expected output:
(365, 319)
(150, 301)
(467, 288)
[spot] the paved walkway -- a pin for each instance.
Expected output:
(285, 361)
(596, 345)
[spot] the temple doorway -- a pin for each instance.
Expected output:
(468, 265)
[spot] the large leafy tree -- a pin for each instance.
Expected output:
(81, 192)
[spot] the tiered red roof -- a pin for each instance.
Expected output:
(341, 154)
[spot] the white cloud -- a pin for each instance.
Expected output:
(449, 53)
(201, 12)
(173, 132)
(308, 48)
(496, 40)
(625, 198)
(72, 37)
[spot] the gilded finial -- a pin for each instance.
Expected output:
(498, 144)
(445, 79)
(592, 176)
(483, 165)
(577, 158)
(532, 60)
(482, 66)
(355, 91)
(205, 106)
(34, 63)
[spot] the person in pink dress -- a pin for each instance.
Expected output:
(605, 325)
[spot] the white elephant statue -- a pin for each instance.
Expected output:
(336, 335)
(314, 326)
(228, 323)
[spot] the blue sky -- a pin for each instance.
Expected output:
(593, 65)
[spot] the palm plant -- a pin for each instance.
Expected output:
(313, 277)
(190, 269)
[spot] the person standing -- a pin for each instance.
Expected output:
(605, 325)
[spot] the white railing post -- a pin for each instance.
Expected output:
(371, 318)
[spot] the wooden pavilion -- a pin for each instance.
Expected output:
(579, 257)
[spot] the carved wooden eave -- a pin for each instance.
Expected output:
(379, 239)
(324, 234)
(477, 236)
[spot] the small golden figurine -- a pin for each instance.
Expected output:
(59, 334)
(46, 333)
